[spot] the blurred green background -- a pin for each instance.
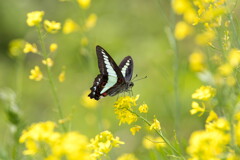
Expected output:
(137, 28)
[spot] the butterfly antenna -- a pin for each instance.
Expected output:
(140, 79)
(134, 77)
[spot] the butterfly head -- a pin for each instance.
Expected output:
(130, 84)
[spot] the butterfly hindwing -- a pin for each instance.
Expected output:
(126, 67)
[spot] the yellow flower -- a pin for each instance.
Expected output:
(70, 26)
(143, 108)
(127, 156)
(180, 6)
(182, 30)
(52, 26)
(225, 69)
(91, 21)
(61, 77)
(36, 74)
(135, 129)
(34, 18)
(150, 142)
(87, 101)
(30, 48)
(53, 47)
(48, 62)
(155, 125)
(84, 3)
(207, 145)
(196, 108)
(31, 148)
(221, 124)
(237, 132)
(123, 109)
(204, 93)
(212, 117)
(234, 57)
(205, 38)
(197, 61)
(16, 47)
(103, 143)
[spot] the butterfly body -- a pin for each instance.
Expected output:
(112, 79)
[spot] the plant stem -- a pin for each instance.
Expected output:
(50, 78)
(160, 134)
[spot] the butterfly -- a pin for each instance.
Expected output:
(113, 79)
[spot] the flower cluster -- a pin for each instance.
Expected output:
(42, 137)
(203, 94)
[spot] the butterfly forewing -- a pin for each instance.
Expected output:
(126, 67)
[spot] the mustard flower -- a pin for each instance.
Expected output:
(70, 26)
(52, 26)
(237, 132)
(88, 102)
(36, 74)
(61, 77)
(16, 47)
(181, 6)
(103, 143)
(212, 117)
(84, 3)
(150, 142)
(48, 62)
(234, 57)
(123, 107)
(207, 144)
(204, 93)
(155, 125)
(196, 108)
(53, 47)
(30, 48)
(143, 108)
(34, 18)
(197, 61)
(182, 30)
(205, 38)
(225, 69)
(221, 124)
(135, 129)
(91, 21)
(127, 156)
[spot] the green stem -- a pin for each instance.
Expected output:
(50, 78)
(160, 134)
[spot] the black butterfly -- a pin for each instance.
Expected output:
(112, 79)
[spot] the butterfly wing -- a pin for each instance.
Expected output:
(110, 75)
(126, 67)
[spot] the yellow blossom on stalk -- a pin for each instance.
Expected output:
(205, 38)
(16, 47)
(36, 74)
(103, 143)
(237, 116)
(61, 77)
(208, 144)
(155, 125)
(53, 47)
(52, 26)
(182, 30)
(181, 6)
(123, 109)
(225, 69)
(30, 48)
(150, 142)
(34, 18)
(221, 124)
(237, 132)
(127, 156)
(204, 93)
(197, 61)
(143, 108)
(70, 26)
(87, 101)
(84, 3)
(196, 108)
(212, 117)
(135, 129)
(48, 62)
(234, 57)
(91, 21)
